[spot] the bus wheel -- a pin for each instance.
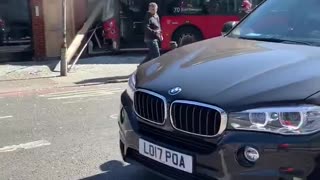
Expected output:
(186, 36)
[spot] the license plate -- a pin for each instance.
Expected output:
(166, 156)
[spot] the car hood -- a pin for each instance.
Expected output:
(233, 73)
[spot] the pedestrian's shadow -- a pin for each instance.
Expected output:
(117, 170)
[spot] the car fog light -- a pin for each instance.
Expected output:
(251, 154)
(123, 116)
(296, 178)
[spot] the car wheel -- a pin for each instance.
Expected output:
(187, 35)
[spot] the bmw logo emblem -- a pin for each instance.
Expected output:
(174, 91)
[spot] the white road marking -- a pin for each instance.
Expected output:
(29, 145)
(5, 117)
(84, 95)
(79, 92)
(66, 93)
(114, 116)
(85, 100)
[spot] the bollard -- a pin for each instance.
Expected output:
(63, 62)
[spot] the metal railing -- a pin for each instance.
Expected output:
(93, 34)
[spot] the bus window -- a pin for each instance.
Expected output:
(224, 7)
(186, 7)
(227, 7)
(213, 6)
(204, 7)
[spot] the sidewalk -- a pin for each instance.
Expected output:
(15, 77)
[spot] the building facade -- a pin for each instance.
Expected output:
(34, 28)
(47, 24)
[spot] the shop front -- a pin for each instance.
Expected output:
(32, 29)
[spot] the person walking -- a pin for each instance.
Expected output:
(152, 32)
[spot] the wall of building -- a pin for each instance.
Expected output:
(47, 24)
(53, 18)
(92, 4)
(53, 27)
(80, 12)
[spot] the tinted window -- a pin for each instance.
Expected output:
(294, 20)
(4, 2)
(3, 8)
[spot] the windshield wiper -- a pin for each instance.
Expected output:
(278, 40)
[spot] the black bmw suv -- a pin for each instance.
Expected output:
(242, 106)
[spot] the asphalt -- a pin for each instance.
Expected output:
(68, 133)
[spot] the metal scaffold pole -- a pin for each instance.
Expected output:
(64, 64)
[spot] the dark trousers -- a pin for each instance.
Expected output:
(154, 51)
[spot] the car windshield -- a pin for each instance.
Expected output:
(293, 21)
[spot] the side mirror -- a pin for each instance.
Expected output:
(228, 26)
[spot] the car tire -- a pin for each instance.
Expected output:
(187, 35)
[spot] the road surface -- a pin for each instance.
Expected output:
(64, 134)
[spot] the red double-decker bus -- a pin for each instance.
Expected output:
(182, 21)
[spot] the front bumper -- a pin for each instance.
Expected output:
(281, 157)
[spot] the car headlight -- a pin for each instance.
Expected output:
(292, 120)
(131, 86)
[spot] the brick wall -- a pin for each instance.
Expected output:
(38, 30)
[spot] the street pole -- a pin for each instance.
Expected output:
(63, 64)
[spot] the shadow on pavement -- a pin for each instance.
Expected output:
(117, 170)
(106, 80)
